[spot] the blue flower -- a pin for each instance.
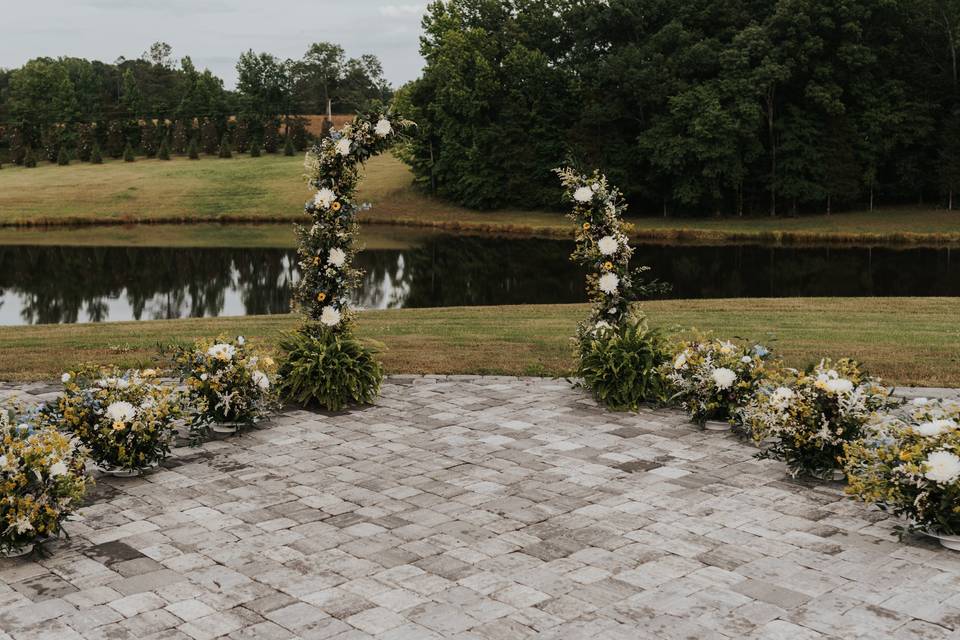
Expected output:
(761, 350)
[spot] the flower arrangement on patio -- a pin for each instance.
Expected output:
(910, 466)
(808, 417)
(230, 386)
(125, 420)
(42, 481)
(713, 379)
(619, 357)
(325, 364)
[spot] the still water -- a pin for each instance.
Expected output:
(63, 284)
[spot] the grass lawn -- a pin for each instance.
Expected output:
(908, 341)
(270, 189)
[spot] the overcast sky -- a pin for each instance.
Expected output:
(212, 32)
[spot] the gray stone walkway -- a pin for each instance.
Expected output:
(479, 508)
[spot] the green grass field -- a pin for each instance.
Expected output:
(908, 341)
(270, 189)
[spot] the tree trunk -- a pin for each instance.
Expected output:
(773, 152)
(871, 197)
(828, 204)
(950, 200)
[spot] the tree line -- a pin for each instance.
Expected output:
(50, 107)
(693, 106)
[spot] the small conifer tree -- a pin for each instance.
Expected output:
(225, 147)
(193, 151)
(128, 154)
(30, 159)
(255, 148)
(288, 146)
(63, 157)
(95, 156)
(164, 151)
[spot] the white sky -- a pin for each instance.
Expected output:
(212, 32)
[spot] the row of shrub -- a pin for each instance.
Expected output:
(831, 421)
(90, 142)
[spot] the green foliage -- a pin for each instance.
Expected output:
(225, 147)
(271, 138)
(327, 369)
(623, 368)
(164, 152)
(193, 151)
(288, 146)
(128, 155)
(255, 148)
(63, 157)
(209, 141)
(95, 156)
(29, 159)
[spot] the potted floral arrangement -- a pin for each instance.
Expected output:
(42, 481)
(910, 466)
(230, 386)
(807, 417)
(713, 379)
(126, 420)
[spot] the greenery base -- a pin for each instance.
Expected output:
(328, 369)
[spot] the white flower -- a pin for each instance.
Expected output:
(65, 378)
(241, 340)
(602, 325)
(781, 397)
(58, 469)
(608, 245)
(337, 257)
(260, 379)
(942, 467)
(583, 194)
(726, 348)
(838, 385)
(723, 377)
(222, 351)
(383, 128)
(680, 362)
(595, 187)
(935, 428)
(746, 359)
(324, 197)
(608, 283)
(204, 376)
(919, 402)
(343, 146)
(330, 316)
(3, 462)
(22, 525)
(121, 411)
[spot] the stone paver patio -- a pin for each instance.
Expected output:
(479, 508)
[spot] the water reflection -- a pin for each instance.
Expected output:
(50, 284)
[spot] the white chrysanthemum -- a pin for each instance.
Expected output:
(838, 385)
(942, 467)
(330, 316)
(121, 411)
(222, 351)
(608, 283)
(781, 397)
(337, 257)
(935, 427)
(241, 340)
(383, 128)
(723, 377)
(680, 362)
(65, 378)
(325, 197)
(260, 379)
(608, 245)
(343, 146)
(583, 194)
(746, 359)
(58, 469)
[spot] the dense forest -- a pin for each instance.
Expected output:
(76, 104)
(691, 106)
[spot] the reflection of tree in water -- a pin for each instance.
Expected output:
(63, 284)
(57, 283)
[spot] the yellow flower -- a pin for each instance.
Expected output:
(119, 426)
(268, 361)
(335, 206)
(607, 265)
(321, 296)
(586, 226)
(316, 260)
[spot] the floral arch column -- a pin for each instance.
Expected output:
(326, 365)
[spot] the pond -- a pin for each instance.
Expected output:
(63, 284)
